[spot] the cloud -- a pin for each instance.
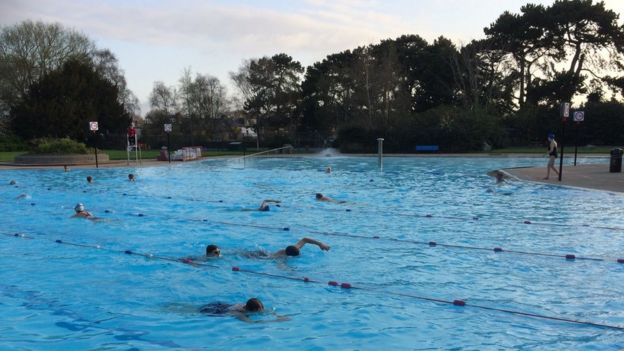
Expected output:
(322, 26)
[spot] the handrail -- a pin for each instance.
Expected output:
(265, 151)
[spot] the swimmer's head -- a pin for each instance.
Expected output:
(12, 182)
(254, 305)
(131, 176)
(291, 251)
(213, 250)
(319, 196)
(79, 207)
(89, 179)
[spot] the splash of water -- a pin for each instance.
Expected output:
(329, 152)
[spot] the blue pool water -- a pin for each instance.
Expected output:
(65, 297)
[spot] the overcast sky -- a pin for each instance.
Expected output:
(155, 40)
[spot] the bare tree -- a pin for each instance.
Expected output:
(30, 50)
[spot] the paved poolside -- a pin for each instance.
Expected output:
(595, 176)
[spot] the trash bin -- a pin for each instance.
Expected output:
(616, 161)
(164, 155)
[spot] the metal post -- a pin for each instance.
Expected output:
(562, 142)
(169, 147)
(95, 147)
(565, 114)
(575, 141)
(380, 152)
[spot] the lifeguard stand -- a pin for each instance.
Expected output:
(132, 144)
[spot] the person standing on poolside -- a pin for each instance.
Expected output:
(552, 155)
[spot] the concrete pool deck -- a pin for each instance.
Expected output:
(595, 176)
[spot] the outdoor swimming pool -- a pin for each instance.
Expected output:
(56, 296)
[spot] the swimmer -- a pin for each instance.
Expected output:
(12, 182)
(328, 170)
(240, 311)
(500, 177)
(321, 197)
(22, 196)
(291, 250)
(65, 168)
(294, 250)
(81, 212)
(264, 206)
(213, 251)
(131, 177)
(89, 179)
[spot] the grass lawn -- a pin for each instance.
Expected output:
(9, 156)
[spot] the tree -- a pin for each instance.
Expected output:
(274, 91)
(163, 98)
(588, 38)
(62, 103)
(29, 51)
(107, 65)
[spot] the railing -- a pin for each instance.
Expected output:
(244, 157)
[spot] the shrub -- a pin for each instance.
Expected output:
(12, 143)
(57, 146)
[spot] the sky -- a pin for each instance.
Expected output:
(157, 40)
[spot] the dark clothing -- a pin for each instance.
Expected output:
(216, 308)
(553, 152)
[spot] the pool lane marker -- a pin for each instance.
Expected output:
(333, 283)
(569, 257)
(404, 214)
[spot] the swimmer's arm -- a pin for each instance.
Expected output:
(304, 241)
(243, 317)
(279, 318)
(274, 201)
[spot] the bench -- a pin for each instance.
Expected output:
(427, 148)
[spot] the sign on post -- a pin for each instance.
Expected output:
(565, 111)
(93, 126)
(168, 128)
(579, 116)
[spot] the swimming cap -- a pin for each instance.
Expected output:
(551, 135)
(79, 207)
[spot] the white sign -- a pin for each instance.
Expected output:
(565, 110)
(579, 116)
(167, 127)
(93, 126)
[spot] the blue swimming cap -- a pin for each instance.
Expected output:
(551, 135)
(79, 207)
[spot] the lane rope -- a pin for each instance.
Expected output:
(344, 285)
